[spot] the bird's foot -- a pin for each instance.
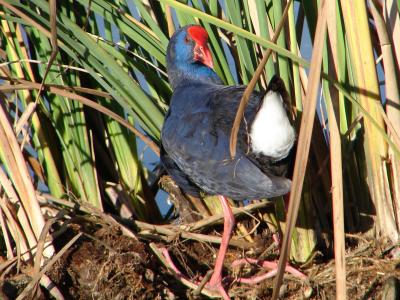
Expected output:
(271, 265)
(215, 284)
(211, 287)
(218, 287)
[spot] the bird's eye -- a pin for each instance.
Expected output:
(201, 48)
(187, 40)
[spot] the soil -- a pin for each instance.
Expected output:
(106, 264)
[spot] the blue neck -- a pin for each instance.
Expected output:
(185, 72)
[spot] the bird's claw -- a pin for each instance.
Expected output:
(273, 266)
(211, 286)
(216, 284)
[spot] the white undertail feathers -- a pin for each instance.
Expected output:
(271, 132)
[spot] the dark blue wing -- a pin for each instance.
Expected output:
(181, 179)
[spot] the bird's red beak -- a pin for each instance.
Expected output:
(202, 54)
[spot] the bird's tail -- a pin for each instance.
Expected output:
(276, 84)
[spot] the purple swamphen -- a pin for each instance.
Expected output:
(196, 131)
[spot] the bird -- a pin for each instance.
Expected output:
(196, 132)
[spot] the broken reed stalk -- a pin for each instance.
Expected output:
(171, 231)
(250, 87)
(303, 147)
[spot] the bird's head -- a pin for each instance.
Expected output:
(188, 56)
(189, 45)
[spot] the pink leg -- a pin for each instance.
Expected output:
(170, 262)
(215, 283)
(229, 221)
(273, 266)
